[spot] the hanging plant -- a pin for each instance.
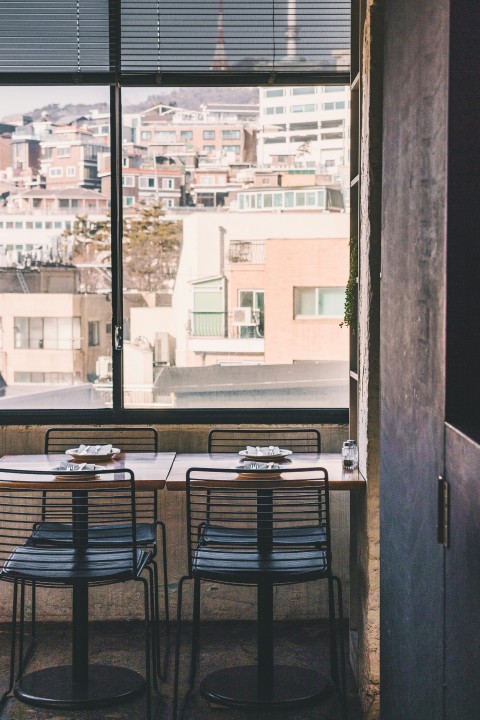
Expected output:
(351, 290)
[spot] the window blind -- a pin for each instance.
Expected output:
(151, 42)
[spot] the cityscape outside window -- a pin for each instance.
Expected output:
(235, 250)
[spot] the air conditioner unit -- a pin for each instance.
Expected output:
(243, 316)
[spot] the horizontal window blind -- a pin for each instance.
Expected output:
(54, 36)
(148, 42)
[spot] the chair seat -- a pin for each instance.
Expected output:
(56, 533)
(216, 534)
(65, 565)
(254, 567)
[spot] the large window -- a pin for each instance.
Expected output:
(145, 297)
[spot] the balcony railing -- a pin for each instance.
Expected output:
(246, 251)
(208, 324)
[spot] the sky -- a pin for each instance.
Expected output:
(25, 99)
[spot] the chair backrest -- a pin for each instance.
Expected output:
(299, 440)
(128, 439)
(83, 502)
(262, 505)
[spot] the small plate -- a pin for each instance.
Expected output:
(265, 455)
(86, 457)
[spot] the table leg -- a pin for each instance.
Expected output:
(79, 685)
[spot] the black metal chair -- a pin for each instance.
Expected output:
(232, 440)
(85, 503)
(252, 509)
(128, 439)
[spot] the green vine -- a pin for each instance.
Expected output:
(351, 291)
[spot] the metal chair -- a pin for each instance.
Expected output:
(299, 440)
(252, 509)
(85, 503)
(128, 439)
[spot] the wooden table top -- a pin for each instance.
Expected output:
(339, 479)
(150, 469)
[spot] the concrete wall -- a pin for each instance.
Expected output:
(220, 602)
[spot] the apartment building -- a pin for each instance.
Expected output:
(33, 222)
(69, 158)
(254, 288)
(224, 133)
(51, 334)
(309, 123)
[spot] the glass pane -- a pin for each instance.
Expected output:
(331, 301)
(226, 252)
(55, 255)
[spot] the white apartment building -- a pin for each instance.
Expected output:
(306, 126)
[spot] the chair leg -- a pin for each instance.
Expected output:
(162, 673)
(155, 644)
(195, 633)
(11, 681)
(333, 633)
(343, 665)
(147, 625)
(177, 645)
(165, 571)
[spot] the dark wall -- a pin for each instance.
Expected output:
(463, 258)
(412, 355)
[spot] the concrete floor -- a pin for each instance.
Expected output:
(222, 644)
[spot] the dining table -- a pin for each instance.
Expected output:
(266, 685)
(82, 685)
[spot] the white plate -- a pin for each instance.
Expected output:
(267, 456)
(86, 457)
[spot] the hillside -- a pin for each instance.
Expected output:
(192, 98)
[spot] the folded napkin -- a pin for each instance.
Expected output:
(94, 450)
(66, 467)
(268, 450)
(253, 465)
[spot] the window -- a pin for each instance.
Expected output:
(304, 90)
(63, 151)
(71, 171)
(167, 136)
(230, 134)
(93, 333)
(62, 203)
(310, 107)
(146, 182)
(253, 300)
(209, 134)
(277, 92)
(334, 88)
(55, 172)
(189, 312)
(47, 333)
(316, 302)
(146, 135)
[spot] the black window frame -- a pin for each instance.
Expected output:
(115, 77)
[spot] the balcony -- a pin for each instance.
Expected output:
(243, 251)
(208, 324)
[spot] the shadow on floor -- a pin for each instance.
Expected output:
(223, 644)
